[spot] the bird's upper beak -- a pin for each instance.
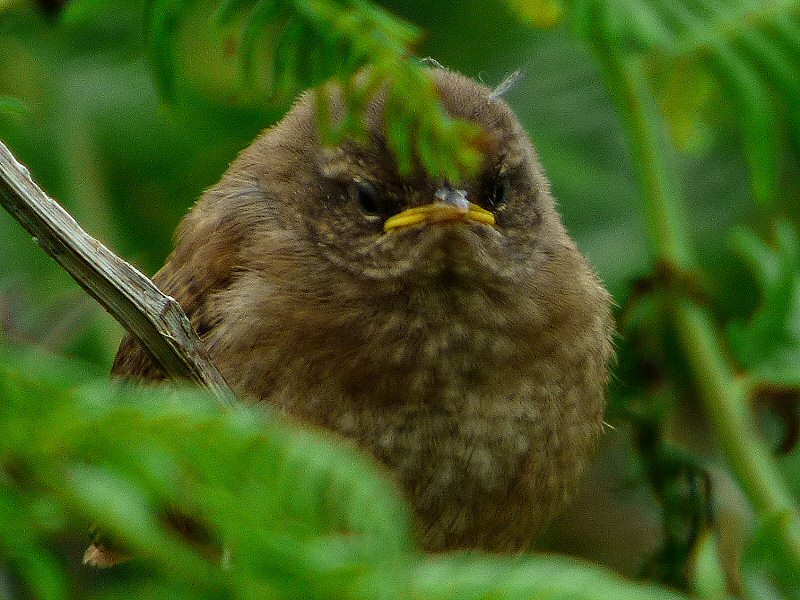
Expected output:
(451, 205)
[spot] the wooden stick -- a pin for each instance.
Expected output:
(157, 320)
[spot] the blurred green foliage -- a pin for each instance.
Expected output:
(768, 344)
(302, 516)
(670, 131)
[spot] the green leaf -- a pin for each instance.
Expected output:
(286, 61)
(78, 12)
(769, 343)
(254, 27)
(310, 43)
(757, 121)
(542, 14)
(707, 573)
(466, 577)
(120, 458)
(226, 11)
(749, 50)
(18, 544)
(398, 132)
(162, 21)
(765, 572)
(12, 106)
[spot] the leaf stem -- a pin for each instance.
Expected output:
(724, 396)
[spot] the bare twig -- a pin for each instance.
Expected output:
(157, 320)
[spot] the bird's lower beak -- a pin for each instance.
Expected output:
(438, 212)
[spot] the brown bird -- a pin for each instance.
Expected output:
(449, 328)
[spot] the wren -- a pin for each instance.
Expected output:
(451, 329)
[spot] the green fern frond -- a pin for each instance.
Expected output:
(768, 345)
(297, 510)
(301, 515)
(315, 41)
(766, 573)
(288, 46)
(162, 19)
(748, 50)
(469, 577)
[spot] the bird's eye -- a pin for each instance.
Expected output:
(498, 192)
(367, 199)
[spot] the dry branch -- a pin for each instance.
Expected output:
(157, 320)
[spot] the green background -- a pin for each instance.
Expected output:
(97, 136)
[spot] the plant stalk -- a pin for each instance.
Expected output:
(723, 395)
(157, 320)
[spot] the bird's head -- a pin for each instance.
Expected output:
(368, 219)
(332, 260)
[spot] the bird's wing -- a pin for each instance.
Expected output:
(203, 263)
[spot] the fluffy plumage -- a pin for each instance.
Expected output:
(469, 359)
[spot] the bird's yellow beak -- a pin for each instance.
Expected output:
(438, 212)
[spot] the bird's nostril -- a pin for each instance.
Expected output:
(457, 198)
